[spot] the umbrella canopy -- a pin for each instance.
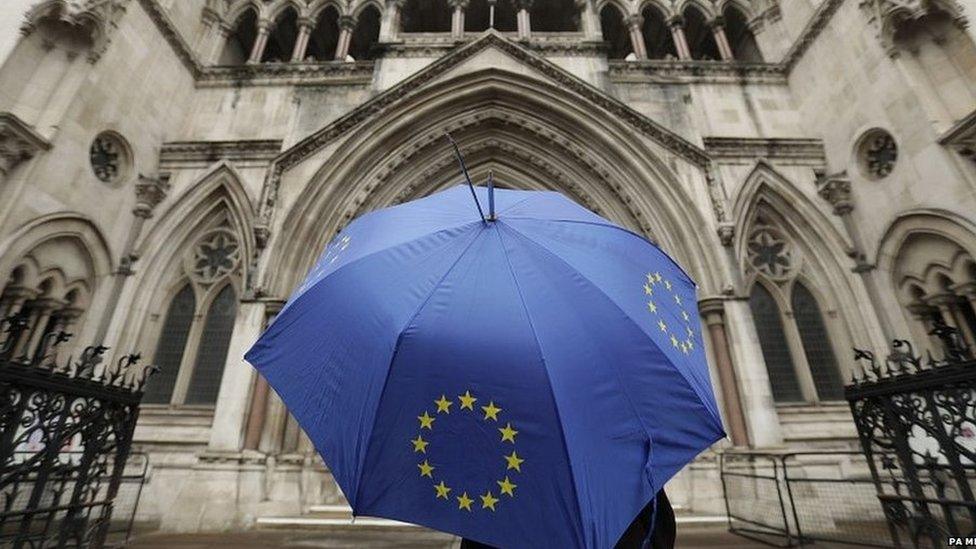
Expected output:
(530, 381)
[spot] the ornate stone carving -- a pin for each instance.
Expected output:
(770, 252)
(726, 233)
(877, 153)
(18, 142)
(96, 18)
(887, 16)
(150, 191)
(836, 189)
(215, 255)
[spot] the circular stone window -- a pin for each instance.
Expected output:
(877, 153)
(109, 157)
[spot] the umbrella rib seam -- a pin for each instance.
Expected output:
(396, 347)
(545, 370)
(691, 383)
(608, 226)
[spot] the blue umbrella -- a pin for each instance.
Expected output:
(527, 381)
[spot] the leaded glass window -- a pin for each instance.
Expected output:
(171, 346)
(212, 353)
(816, 345)
(775, 349)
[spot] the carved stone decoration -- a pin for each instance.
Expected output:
(836, 189)
(877, 154)
(770, 252)
(887, 16)
(216, 254)
(150, 191)
(109, 158)
(97, 18)
(18, 142)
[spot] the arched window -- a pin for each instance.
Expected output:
(192, 347)
(775, 348)
(740, 37)
(657, 35)
(241, 41)
(281, 41)
(325, 36)
(816, 345)
(477, 16)
(212, 353)
(554, 16)
(795, 337)
(425, 16)
(171, 346)
(614, 32)
(366, 34)
(700, 39)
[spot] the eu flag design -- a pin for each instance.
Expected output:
(531, 381)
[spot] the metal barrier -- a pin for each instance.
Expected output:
(794, 498)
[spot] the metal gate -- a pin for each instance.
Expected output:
(66, 429)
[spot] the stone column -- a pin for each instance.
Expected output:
(14, 298)
(677, 26)
(45, 307)
(259, 398)
(264, 29)
(223, 33)
(713, 312)
(589, 20)
(305, 26)
(718, 31)
(836, 190)
(346, 25)
(227, 433)
(390, 21)
(457, 18)
(948, 305)
(522, 19)
(634, 22)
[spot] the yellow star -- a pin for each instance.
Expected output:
(690, 331)
(426, 469)
(488, 501)
(443, 405)
(657, 277)
(677, 299)
(467, 401)
(691, 343)
(491, 411)
(648, 289)
(674, 341)
(464, 502)
(650, 278)
(684, 315)
(662, 325)
(652, 307)
(426, 421)
(419, 444)
(506, 486)
(514, 462)
(667, 284)
(442, 490)
(684, 348)
(508, 433)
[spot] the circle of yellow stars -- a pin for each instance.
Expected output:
(660, 294)
(507, 434)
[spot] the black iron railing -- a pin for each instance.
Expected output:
(66, 429)
(916, 421)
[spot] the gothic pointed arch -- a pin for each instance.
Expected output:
(930, 256)
(786, 245)
(531, 133)
(190, 275)
(54, 270)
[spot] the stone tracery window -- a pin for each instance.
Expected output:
(877, 153)
(192, 347)
(793, 334)
(108, 156)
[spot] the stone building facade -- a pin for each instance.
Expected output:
(170, 169)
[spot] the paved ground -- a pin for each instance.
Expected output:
(687, 539)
